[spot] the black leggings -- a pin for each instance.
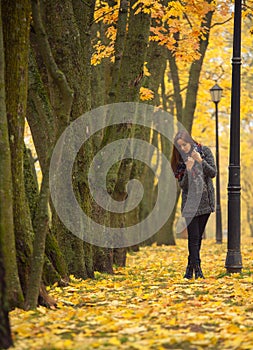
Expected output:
(195, 227)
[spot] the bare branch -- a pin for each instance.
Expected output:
(185, 15)
(107, 13)
(221, 23)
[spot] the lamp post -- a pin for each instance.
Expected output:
(216, 91)
(234, 259)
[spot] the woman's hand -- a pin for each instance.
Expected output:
(196, 156)
(189, 163)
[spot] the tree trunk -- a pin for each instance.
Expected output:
(5, 331)
(134, 55)
(13, 289)
(156, 64)
(68, 25)
(40, 221)
(101, 77)
(118, 48)
(194, 74)
(177, 97)
(41, 122)
(157, 58)
(130, 73)
(16, 19)
(54, 266)
(31, 181)
(10, 295)
(126, 73)
(166, 234)
(40, 229)
(55, 256)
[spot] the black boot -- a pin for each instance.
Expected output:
(189, 272)
(198, 272)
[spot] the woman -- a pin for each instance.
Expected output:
(194, 167)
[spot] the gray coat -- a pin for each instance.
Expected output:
(197, 187)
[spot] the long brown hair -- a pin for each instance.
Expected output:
(176, 157)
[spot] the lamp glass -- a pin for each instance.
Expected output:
(216, 92)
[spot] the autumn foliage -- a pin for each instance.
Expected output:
(181, 48)
(148, 305)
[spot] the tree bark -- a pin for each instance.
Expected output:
(130, 74)
(126, 74)
(176, 85)
(16, 24)
(68, 27)
(5, 331)
(31, 181)
(156, 64)
(118, 48)
(40, 229)
(134, 55)
(13, 290)
(41, 122)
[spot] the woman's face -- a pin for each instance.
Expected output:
(184, 146)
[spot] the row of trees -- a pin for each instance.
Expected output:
(60, 59)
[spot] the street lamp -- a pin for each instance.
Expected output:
(216, 91)
(234, 258)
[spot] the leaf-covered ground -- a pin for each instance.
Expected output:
(148, 305)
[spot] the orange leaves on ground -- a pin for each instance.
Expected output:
(148, 305)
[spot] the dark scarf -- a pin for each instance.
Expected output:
(179, 173)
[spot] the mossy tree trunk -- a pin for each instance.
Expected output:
(31, 181)
(5, 330)
(41, 215)
(125, 88)
(40, 119)
(134, 56)
(6, 218)
(104, 257)
(84, 14)
(13, 289)
(156, 64)
(68, 28)
(40, 225)
(126, 74)
(16, 24)
(118, 48)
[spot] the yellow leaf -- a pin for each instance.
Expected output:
(114, 341)
(23, 330)
(146, 94)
